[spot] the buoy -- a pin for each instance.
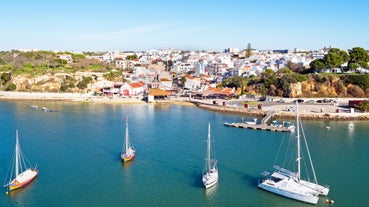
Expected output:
(332, 202)
(327, 200)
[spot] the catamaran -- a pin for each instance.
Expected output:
(22, 174)
(210, 173)
(288, 183)
(128, 152)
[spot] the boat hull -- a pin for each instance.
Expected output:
(23, 179)
(210, 179)
(322, 190)
(307, 198)
(126, 158)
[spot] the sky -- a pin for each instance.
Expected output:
(211, 25)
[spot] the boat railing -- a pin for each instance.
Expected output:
(285, 171)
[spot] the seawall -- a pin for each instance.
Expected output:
(342, 116)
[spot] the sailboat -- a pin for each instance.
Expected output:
(210, 173)
(128, 152)
(22, 174)
(288, 183)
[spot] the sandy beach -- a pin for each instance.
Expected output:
(6, 95)
(336, 111)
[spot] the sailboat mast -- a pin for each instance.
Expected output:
(127, 140)
(208, 155)
(16, 154)
(298, 141)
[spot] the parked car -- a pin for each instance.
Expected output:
(299, 100)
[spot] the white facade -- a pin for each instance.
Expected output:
(166, 84)
(182, 67)
(132, 89)
(192, 83)
(199, 69)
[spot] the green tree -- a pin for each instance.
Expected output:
(352, 66)
(268, 77)
(248, 50)
(335, 58)
(317, 64)
(363, 64)
(235, 82)
(358, 56)
(131, 57)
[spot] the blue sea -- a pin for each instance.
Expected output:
(77, 146)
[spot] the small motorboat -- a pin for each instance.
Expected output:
(46, 109)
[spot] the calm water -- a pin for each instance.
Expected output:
(77, 152)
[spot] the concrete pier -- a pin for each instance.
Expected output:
(258, 127)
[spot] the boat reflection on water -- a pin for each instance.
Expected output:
(127, 164)
(351, 132)
(351, 126)
(211, 193)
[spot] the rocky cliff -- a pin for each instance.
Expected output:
(58, 82)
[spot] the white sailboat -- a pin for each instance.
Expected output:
(128, 152)
(210, 173)
(288, 183)
(22, 174)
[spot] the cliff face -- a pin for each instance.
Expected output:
(330, 86)
(333, 88)
(66, 82)
(44, 83)
(49, 82)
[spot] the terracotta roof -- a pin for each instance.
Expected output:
(158, 92)
(226, 91)
(188, 76)
(137, 85)
(164, 79)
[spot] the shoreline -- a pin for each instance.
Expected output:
(307, 112)
(280, 114)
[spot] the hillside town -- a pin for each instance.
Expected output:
(161, 74)
(198, 73)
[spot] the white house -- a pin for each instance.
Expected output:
(166, 84)
(132, 89)
(192, 83)
(199, 69)
(182, 67)
(66, 57)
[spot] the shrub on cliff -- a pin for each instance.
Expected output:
(355, 91)
(85, 81)
(11, 87)
(68, 84)
(360, 80)
(5, 77)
